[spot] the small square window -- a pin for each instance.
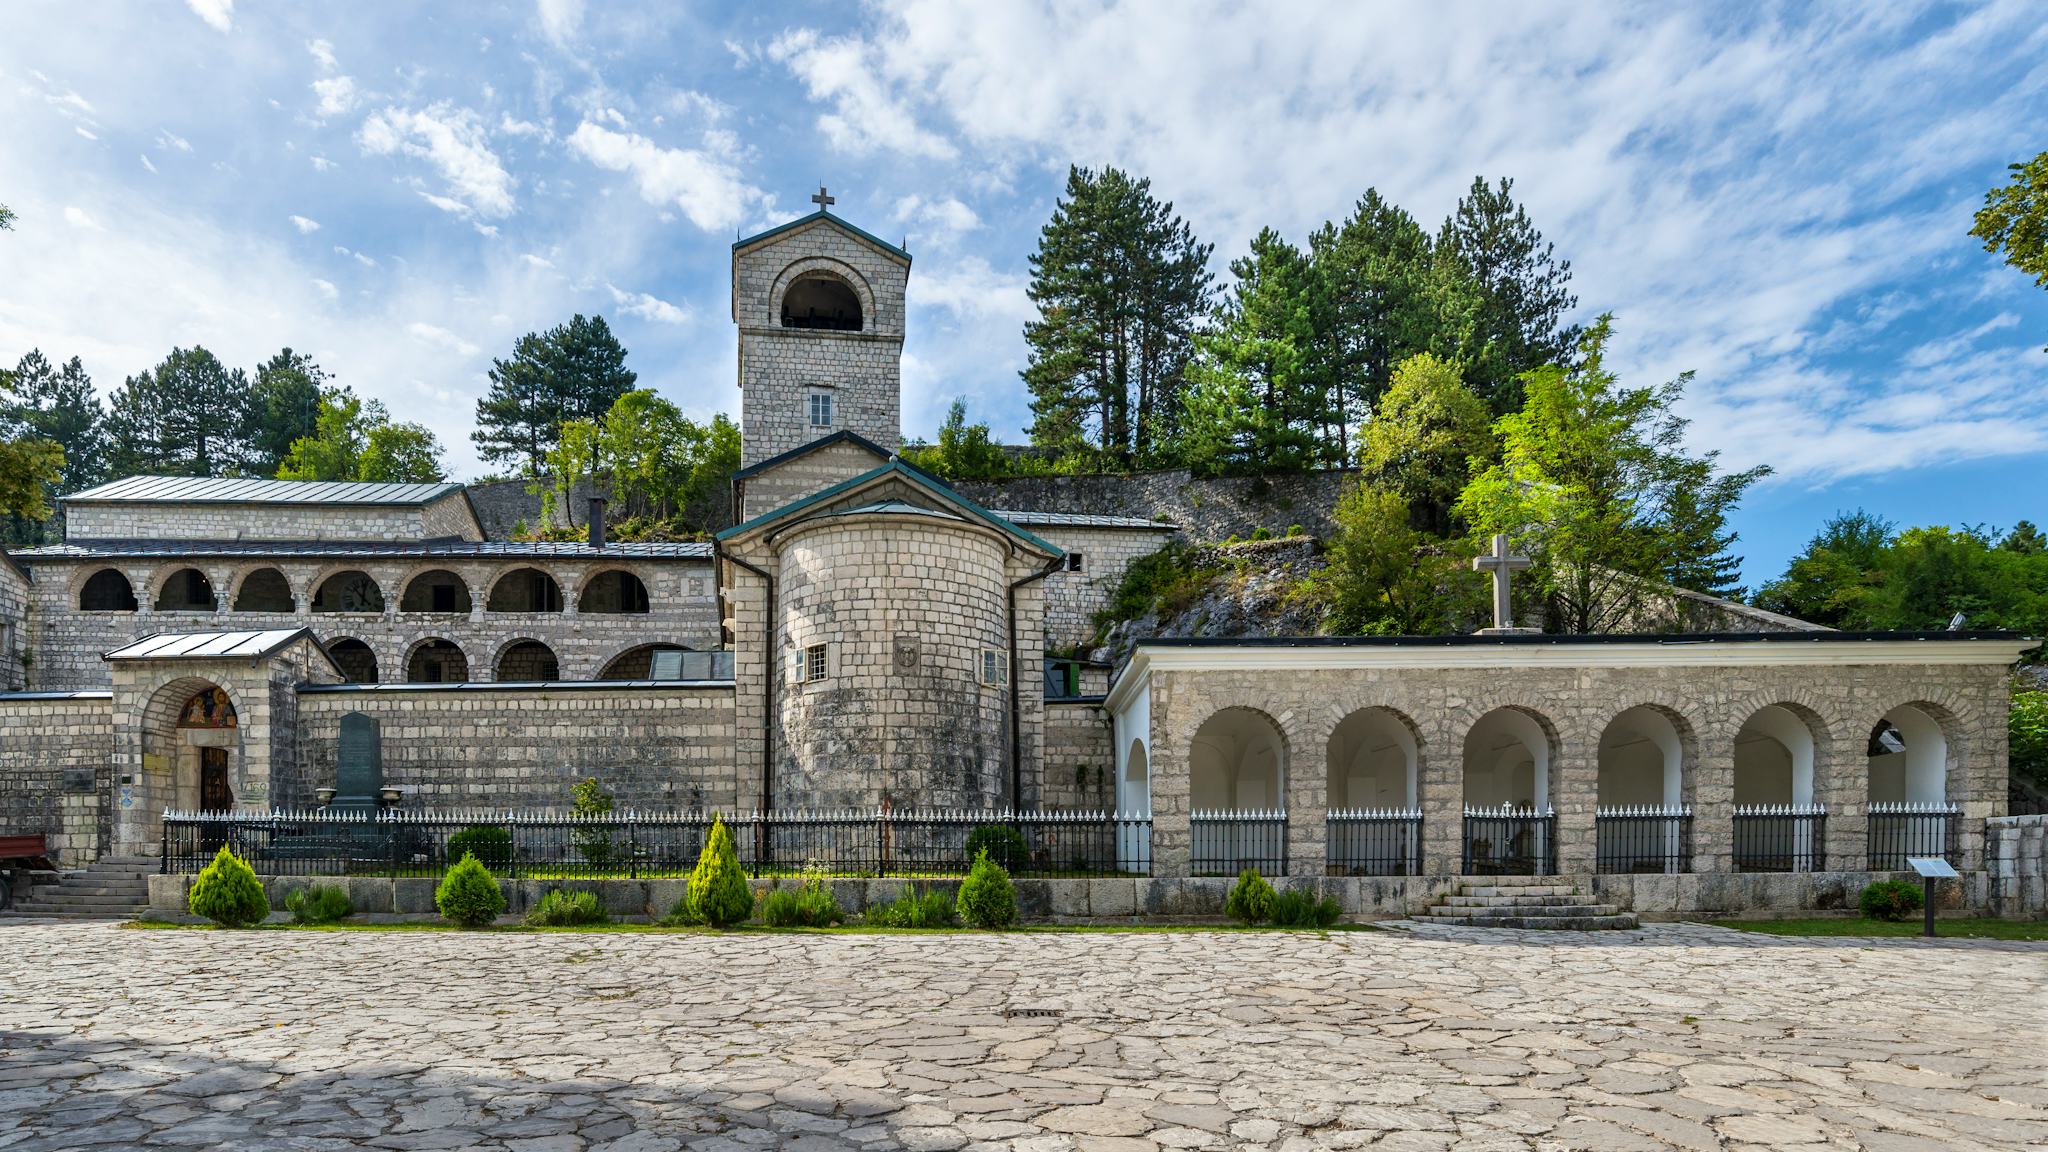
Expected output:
(995, 667)
(1073, 561)
(814, 663)
(821, 409)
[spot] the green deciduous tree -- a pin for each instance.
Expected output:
(1121, 285)
(964, 451)
(355, 439)
(187, 416)
(1522, 291)
(1836, 580)
(7, 218)
(658, 465)
(1386, 578)
(42, 405)
(2014, 219)
(1425, 434)
(1859, 573)
(570, 372)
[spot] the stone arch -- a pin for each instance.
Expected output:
(436, 660)
(1511, 753)
(1780, 747)
(1375, 760)
(1909, 753)
(435, 590)
(613, 591)
(264, 589)
(107, 590)
(823, 268)
(348, 590)
(1647, 756)
(633, 663)
(524, 589)
(525, 659)
(1134, 786)
(183, 589)
(355, 658)
(182, 719)
(1238, 762)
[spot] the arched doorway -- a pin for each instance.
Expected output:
(264, 590)
(819, 300)
(1134, 811)
(435, 590)
(1237, 768)
(349, 591)
(1908, 790)
(525, 590)
(1508, 825)
(528, 660)
(1641, 824)
(1778, 827)
(613, 592)
(436, 661)
(186, 590)
(107, 590)
(1374, 827)
(191, 759)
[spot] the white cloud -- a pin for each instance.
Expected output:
(944, 215)
(337, 94)
(441, 337)
(323, 54)
(170, 141)
(450, 139)
(707, 189)
(559, 20)
(305, 225)
(83, 131)
(144, 157)
(323, 164)
(77, 218)
(509, 126)
(358, 257)
(326, 288)
(649, 307)
(217, 13)
(537, 261)
(869, 109)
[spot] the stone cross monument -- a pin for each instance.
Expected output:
(1502, 564)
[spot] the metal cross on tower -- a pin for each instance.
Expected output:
(1501, 563)
(823, 201)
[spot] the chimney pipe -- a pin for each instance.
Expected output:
(597, 522)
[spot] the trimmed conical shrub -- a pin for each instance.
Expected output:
(987, 898)
(1251, 898)
(469, 894)
(228, 893)
(719, 894)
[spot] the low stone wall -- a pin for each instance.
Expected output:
(1129, 899)
(2016, 854)
(1206, 509)
(654, 747)
(56, 753)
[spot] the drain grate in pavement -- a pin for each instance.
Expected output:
(1032, 1013)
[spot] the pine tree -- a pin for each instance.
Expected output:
(1522, 290)
(188, 416)
(1381, 299)
(574, 371)
(1254, 369)
(1121, 285)
(55, 406)
(283, 407)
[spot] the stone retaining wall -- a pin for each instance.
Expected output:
(2016, 854)
(56, 754)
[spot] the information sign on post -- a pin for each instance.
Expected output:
(1930, 868)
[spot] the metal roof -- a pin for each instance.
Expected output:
(1083, 520)
(208, 645)
(215, 490)
(823, 215)
(893, 508)
(369, 550)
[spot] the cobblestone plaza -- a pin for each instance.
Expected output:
(1675, 1037)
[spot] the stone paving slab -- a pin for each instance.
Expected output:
(1673, 1037)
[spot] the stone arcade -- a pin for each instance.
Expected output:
(864, 635)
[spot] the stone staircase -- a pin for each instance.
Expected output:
(115, 888)
(1548, 902)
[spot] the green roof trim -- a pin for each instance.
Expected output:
(813, 218)
(916, 478)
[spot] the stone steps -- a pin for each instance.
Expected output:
(114, 888)
(1549, 903)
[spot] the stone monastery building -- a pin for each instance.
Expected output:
(865, 635)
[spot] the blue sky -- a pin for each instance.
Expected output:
(1777, 200)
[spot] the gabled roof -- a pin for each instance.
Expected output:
(802, 450)
(372, 549)
(211, 645)
(799, 509)
(216, 490)
(801, 221)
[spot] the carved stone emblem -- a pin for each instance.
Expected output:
(907, 649)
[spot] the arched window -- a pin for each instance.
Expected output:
(187, 590)
(349, 591)
(1372, 761)
(1237, 763)
(438, 590)
(1775, 816)
(821, 301)
(529, 660)
(525, 590)
(1507, 761)
(1639, 826)
(616, 591)
(357, 662)
(264, 590)
(1908, 758)
(436, 662)
(107, 590)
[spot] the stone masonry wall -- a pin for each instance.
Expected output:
(1073, 598)
(56, 754)
(16, 594)
(795, 479)
(2016, 855)
(1575, 705)
(1206, 510)
(1079, 761)
(653, 748)
(97, 521)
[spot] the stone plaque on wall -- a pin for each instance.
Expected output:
(907, 651)
(78, 780)
(359, 761)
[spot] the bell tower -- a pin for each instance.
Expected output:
(819, 305)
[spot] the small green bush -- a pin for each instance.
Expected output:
(228, 893)
(1004, 844)
(1294, 530)
(1251, 898)
(1262, 533)
(718, 894)
(468, 894)
(560, 909)
(808, 905)
(987, 898)
(319, 904)
(929, 908)
(1889, 899)
(589, 800)
(489, 843)
(1298, 908)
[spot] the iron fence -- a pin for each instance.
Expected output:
(1781, 838)
(1510, 841)
(1643, 840)
(1898, 831)
(1374, 842)
(1227, 843)
(634, 845)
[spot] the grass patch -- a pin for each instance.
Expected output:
(1965, 928)
(748, 929)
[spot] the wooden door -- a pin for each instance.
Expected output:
(214, 793)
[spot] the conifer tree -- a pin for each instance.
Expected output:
(187, 416)
(574, 371)
(1522, 291)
